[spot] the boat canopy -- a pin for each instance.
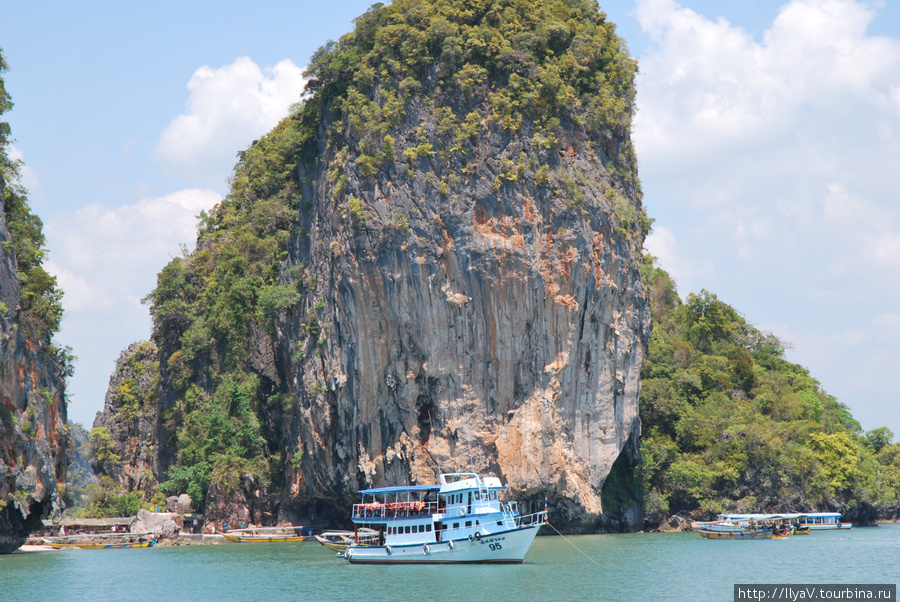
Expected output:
(410, 488)
(761, 516)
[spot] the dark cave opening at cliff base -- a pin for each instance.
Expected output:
(621, 494)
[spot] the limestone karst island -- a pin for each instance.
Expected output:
(433, 265)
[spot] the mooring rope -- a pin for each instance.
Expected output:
(572, 544)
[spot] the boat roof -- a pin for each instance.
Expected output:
(400, 489)
(450, 482)
(762, 516)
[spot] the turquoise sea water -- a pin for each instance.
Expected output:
(663, 566)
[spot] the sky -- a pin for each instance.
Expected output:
(767, 136)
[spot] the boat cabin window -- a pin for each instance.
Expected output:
(428, 528)
(468, 523)
(456, 525)
(407, 529)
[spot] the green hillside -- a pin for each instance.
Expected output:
(729, 425)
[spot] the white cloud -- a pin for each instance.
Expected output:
(663, 244)
(106, 260)
(226, 110)
(885, 249)
(27, 176)
(107, 255)
(80, 293)
(709, 85)
(770, 165)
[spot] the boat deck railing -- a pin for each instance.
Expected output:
(538, 518)
(394, 510)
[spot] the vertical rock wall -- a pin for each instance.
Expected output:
(32, 417)
(126, 440)
(501, 332)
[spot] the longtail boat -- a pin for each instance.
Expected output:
(339, 541)
(102, 541)
(266, 535)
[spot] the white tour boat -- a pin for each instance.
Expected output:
(461, 520)
(822, 521)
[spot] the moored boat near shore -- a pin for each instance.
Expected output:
(267, 535)
(731, 530)
(459, 520)
(823, 521)
(339, 541)
(751, 526)
(103, 541)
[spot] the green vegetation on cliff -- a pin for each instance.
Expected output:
(32, 371)
(729, 425)
(206, 308)
(41, 298)
(482, 68)
(543, 62)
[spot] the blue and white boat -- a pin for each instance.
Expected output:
(460, 520)
(821, 521)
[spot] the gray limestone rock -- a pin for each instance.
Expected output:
(184, 503)
(159, 527)
(33, 434)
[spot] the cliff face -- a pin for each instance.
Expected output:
(124, 438)
(32, 372)
(32, 416)
(502, 332)
(479, 301)
(433, 265)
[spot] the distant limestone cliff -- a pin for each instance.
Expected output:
(432, 265)
(32, 372)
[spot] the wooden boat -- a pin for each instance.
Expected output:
(339, 541)
(783, 525)
(751, 526)
(730, 530)
(266, 535)
(103, 541)
(459, 520)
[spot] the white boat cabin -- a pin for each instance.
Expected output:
(461, 506)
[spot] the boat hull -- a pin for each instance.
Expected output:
(507, 547)
(720, 531)
(263, 538)
(75, 546)
(735, 535)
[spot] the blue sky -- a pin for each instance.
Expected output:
(768, 140)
